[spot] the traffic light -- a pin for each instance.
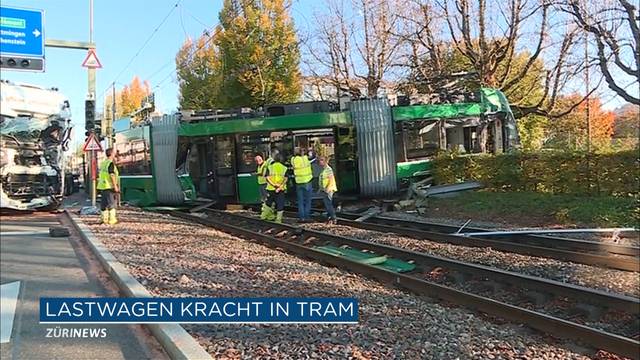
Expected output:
(89, 114)
(97, 129)
(21, 63)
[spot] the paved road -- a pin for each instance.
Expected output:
(50, 267)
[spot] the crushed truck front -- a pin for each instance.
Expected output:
(34, 133)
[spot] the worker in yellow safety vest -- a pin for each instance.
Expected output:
(261, 173)
(276, 188)
(303, 175)
(109, 187)
(328, 187)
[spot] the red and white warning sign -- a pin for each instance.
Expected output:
(91, 61)
(92, 144)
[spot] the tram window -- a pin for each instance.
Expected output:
(224, 152)
(322, 141)
(182, 156)
(420, 139)
(470, 139)
(283, 142)
(401, 149)
(248, 146)
(133, 157)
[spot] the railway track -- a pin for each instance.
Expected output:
(608, 255)
(515, 297)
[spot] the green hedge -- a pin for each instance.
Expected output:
(615, 174)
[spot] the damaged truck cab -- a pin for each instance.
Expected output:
(34, 134)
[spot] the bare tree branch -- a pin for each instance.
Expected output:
(604, 29)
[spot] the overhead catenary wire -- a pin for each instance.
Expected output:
(211, 37)
(183, 63)
(144, 45)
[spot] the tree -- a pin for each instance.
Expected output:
(131, 95)
(614, 27)
(358, 48)
(477, 32)
(108, 105)
(259, 53)
(570, 131)
(626, 127)
(199, 73)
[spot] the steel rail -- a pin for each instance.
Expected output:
(557, 288)
(282, 237)
(574, 250)
(545, 241)
(626, 263)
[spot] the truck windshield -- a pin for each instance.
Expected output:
(30, 129)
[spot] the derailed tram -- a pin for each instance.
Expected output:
(34, 133)
(373, 147)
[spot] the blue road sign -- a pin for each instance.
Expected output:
(21, 32)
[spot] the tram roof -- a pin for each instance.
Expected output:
(491, 101)
(284, 122)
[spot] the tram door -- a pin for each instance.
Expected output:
(224, 183)
(200, 168)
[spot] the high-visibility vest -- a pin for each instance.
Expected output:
(262, 171)
(104, 178)
(277, 175)
(327, 180)
(301, 169)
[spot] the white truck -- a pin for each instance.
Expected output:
(34, 134)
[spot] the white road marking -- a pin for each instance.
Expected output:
(8, 301)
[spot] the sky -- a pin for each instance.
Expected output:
(121, 29)
(119, 35)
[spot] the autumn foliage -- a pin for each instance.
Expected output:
(128, 99)
(570, 131)
(251, 59)
(131, 95)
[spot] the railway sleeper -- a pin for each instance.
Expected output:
(598, 339)
(589, 311)
(436, 266)
(436, 272)
(538, 298)
(459, 277)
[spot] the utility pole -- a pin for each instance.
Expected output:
(586, 82)
(113, 115)
(91, 95)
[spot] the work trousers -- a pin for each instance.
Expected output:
(277, 199)
(327, 199)
(303, 193)
(264, 194)
(107, 199)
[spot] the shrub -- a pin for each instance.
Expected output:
(616, 174)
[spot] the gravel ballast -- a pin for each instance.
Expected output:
(174, 258)
(596, 237)
(624, 282)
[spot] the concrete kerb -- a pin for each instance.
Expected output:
(174, 338)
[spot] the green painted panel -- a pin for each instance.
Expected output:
(297, 121)
(187, 186)
(495, 100)
(347, 181)
(138, 190)
(407, 169)
(443, 111)
(248, 189)
(368, 258)
(491, 101)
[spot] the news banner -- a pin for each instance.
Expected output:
(198, 310)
